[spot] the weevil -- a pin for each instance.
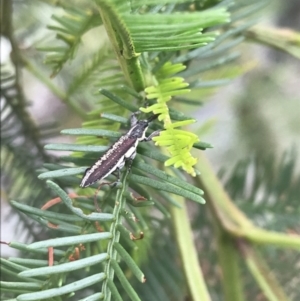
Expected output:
(124, 149)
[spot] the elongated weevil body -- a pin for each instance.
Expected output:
(122, 150)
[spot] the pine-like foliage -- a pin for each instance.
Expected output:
(134, 241)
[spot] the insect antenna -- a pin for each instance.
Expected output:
(96, 194)
(153, 117)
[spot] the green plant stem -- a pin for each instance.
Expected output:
(122, 44)
(231, 225)
(229, 260)
(119, 206)
(282, 240)
(263, 275)
(232, 219)
(54, 89)
(191, 265)
(228, 254)
(284, 39)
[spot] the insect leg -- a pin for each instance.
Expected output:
(111, 184)
(133, 118)
(119, 175)
(130, 161)
(154, 134)
(118, 178)
(96, 194)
